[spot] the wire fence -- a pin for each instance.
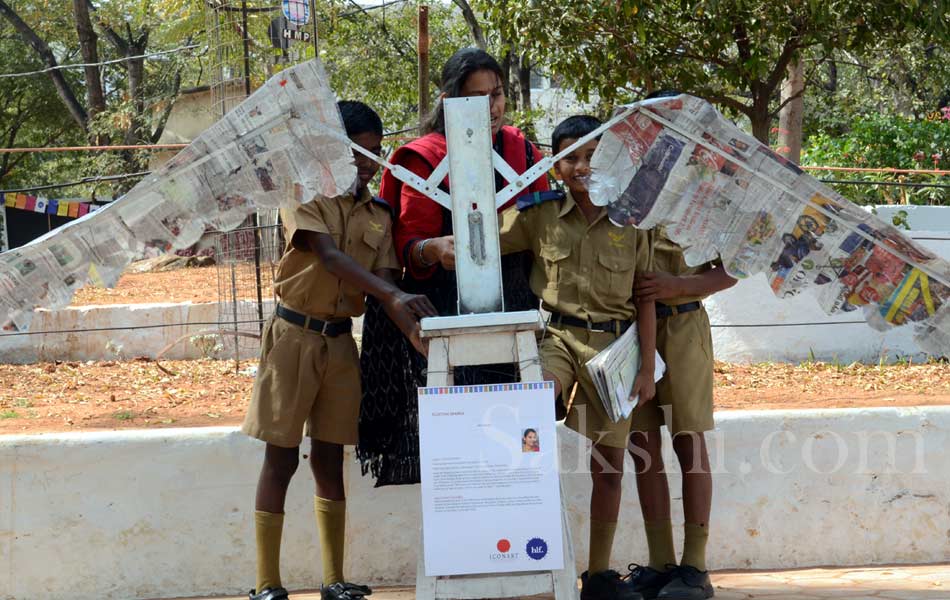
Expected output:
(246, 260)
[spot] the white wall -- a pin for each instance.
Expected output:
(166, 513)
(121, 331)
(751, 325)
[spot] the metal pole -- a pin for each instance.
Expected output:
(423, 51)
(313, 18)
(254, 219)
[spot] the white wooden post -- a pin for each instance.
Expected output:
(482, 333)
(474, 219)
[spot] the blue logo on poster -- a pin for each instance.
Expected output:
(296, 11)
(537, 548)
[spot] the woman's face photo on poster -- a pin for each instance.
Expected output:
(530, 441)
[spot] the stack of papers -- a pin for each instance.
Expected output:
(614, 369)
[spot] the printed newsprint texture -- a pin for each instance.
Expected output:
(614, 370)
(721, 193)
(284, 144)
(4, 240)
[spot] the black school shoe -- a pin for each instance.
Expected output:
(606, 585)
(277, 593)
(687, 583)
(344, 591)
(648, 581)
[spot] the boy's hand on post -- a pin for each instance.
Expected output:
(644, 388)
(398, 309)
(417, 304)
(652, 286)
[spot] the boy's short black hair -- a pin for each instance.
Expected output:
(574, 127)
(662, 94)
(359, 118)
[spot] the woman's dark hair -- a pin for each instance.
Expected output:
(455, 72)
(359, 118)
(574, 127)
(526, 432)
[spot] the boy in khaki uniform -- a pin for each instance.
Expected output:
(584, 272)
(339, 250)
(685, 395)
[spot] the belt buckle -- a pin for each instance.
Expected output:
(323, 330)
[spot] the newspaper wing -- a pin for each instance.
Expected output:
(283, 145)
(720, 193)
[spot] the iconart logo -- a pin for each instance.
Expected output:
(503, 551)
(537, 548)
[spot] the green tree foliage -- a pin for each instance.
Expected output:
(134, 95)
(882, 141)
(371, 55)
(733, 52)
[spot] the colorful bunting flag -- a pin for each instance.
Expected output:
(9, 200)
(74, 209)
(21, 200)
(63, 209)
(83, 208)
(30, 203)
(41, 203)
(51, 207)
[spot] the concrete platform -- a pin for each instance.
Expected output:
(924, 582)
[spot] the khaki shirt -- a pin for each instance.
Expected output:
(668, 258)
(360, 228)
(584, 270)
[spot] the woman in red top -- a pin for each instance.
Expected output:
(423, 237)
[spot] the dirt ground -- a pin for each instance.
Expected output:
(197, 284)
(138, 394)
(109, 395)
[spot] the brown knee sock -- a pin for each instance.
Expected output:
(694, 548)
(660, 544)
(267, 529)
(331, 524)
(601, 543)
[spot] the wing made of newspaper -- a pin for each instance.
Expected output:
(719, 192)
(284, 144)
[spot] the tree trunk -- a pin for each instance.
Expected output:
(760, 116)
(473, 25)
(88, 45)
(790, 117)
(136, 81)
(63, 90)
(524, 85)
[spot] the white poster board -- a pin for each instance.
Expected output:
(491, 500)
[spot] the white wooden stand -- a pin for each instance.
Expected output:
(481, 339)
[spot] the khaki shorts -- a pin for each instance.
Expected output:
(304, 378)
(684, 397)
(563, 353)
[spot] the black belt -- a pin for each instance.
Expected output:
(617, 327)
(665, 310)
(327, 328)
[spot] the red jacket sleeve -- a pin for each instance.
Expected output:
(420, 217)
